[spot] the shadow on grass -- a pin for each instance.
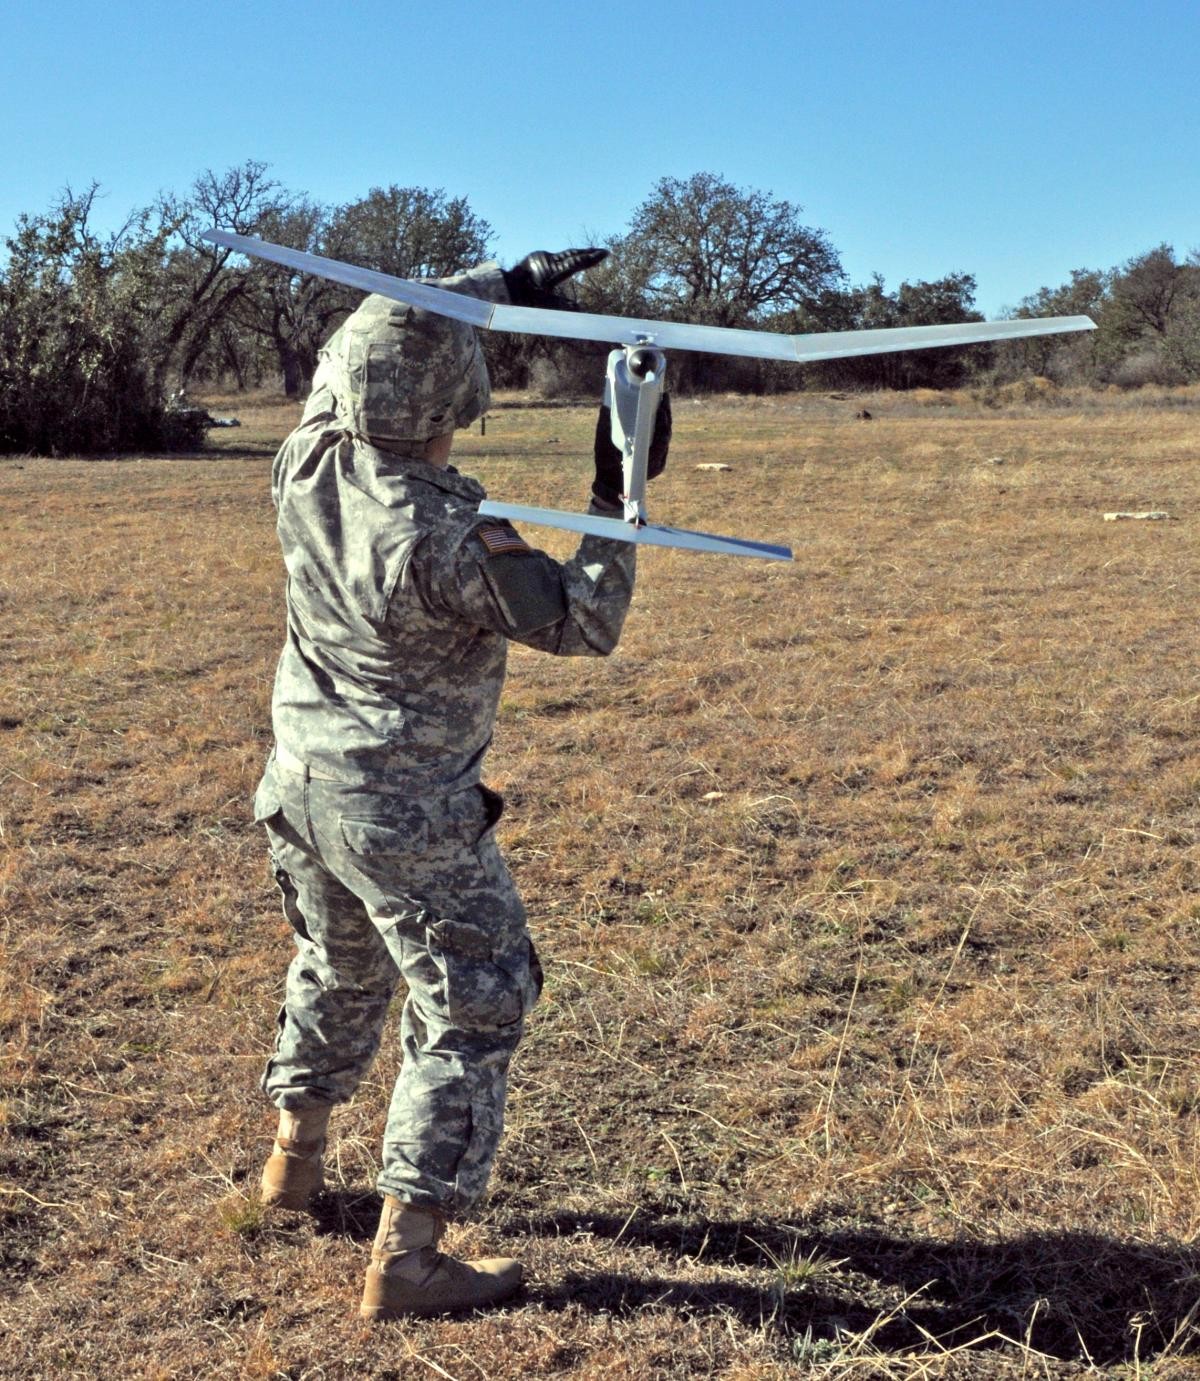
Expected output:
(343, 1213)
(1074, 1296)
(252, 451)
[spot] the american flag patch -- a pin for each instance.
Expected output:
(499, 537)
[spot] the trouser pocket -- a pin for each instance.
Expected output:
(291, 898)
(479, 994)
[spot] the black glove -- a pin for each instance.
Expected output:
(609, 484)
(531, 283)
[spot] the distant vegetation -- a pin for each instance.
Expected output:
(97, 332)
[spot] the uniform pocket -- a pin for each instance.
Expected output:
(408, 834)
(291, 899)
(388, 854)
(488, 994)
(476, 813)
(493, 805)
(267, 800)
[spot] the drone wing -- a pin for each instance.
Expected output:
(631, 331)
(620, 330)
(650, 534)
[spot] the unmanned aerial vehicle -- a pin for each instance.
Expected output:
(636, 373)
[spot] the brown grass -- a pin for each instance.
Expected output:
(868, 888)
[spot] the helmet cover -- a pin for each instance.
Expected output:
(402, 374)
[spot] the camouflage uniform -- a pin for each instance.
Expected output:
(401, 601)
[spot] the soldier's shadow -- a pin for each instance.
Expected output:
(346, 1213)
(1073, 1295)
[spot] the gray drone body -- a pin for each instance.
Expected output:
(636, 372)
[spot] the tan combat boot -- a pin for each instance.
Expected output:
(408, 1275)
(293, 1172)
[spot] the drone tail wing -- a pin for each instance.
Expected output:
(650, 534)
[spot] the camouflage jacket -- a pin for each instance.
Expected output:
(401, 601)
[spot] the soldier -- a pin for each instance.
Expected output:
(401, 601)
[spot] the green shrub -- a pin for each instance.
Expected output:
(73, 373)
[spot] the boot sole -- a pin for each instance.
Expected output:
(384, 1313)
(290, 1203)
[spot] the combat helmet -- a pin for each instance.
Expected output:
(402, 374)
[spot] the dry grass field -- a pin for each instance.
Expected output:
(868, 889)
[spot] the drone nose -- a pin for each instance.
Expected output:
(643, 361)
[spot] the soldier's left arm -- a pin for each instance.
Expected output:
(483, 572)
(485, 281)
(493, 579)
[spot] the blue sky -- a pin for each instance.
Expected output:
(1013, 140)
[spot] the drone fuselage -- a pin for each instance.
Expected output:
(633, 387)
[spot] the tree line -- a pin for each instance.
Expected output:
(98, 332)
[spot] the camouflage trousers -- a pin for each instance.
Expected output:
(380, 887)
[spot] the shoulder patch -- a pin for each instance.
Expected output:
(500, 537)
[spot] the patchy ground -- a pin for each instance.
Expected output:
(868, 889)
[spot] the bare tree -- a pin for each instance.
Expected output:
(1145, 289)
(709, 251)
(290, 313)
(408, 231)
(197, 290)
(412, 232)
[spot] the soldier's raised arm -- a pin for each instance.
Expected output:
(533, 282)
(489, 576)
